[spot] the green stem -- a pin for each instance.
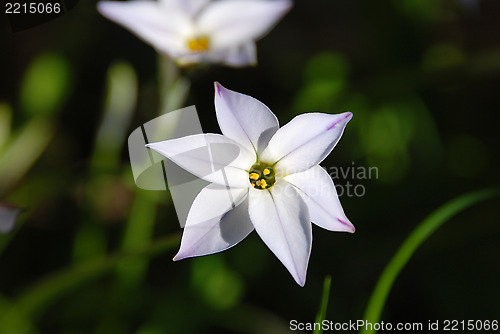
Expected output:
(138, 233)
(140, 225)
(410, 245)
(24, 151)
(324, 304)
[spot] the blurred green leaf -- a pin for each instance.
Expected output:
(325, 78)
(46, 85)
(442, 56)
(90, 242)
(318, 96)
(421, 10)
(105, 194)
(138, 233)
(220, 287)
(13, 321)
(398, 134)
(326, 66)
(25, 149)
(119, 106)
(5, 124)
(324, 304)
(423, 231)
(173, 86)
(384, 135)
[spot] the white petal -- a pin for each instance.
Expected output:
(159, 26)
(217, 220)
(244, 119)
(305, 141)
(8, 217)
(234, 22)
(318, 191)
(281, 218)
(190, 7)
(191, 58)
(238, 56)
(211, 157)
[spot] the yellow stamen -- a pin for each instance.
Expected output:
(254, 176)
(262, 176)
(198, 44)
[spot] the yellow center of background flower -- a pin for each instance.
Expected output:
(198, 44)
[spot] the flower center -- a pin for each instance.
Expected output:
(198, 44)
(262, 176)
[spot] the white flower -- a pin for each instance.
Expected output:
(272, 182)
(193, 31)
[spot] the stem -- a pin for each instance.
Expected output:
(140, 225)
(324, 304)
(410, 245)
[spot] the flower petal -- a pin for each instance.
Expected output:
(217, 220)
(8, 217)
(190, 7)
(244, 119)
(281, 218)
(158, 25)
(239, 56)
(305, 141)
(318, 191)
(236, 22)
(211, 157)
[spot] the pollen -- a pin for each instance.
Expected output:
(263, 183)
(254, 176)
(267, 171)
(198, 44)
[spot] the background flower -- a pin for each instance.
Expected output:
(194, 31)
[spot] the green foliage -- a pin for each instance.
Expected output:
(220, 287)
(421, 233)
(46, 85)
(5, 124)
(421, 10)
(25, 148)
(442, 56)
(325, 79)
(324, 303)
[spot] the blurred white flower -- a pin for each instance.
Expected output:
(194, 31)
(273, 183)
(8, 217)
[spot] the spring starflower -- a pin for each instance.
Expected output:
(272, 184)
(194, 31)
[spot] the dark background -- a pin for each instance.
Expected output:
(422, 79)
